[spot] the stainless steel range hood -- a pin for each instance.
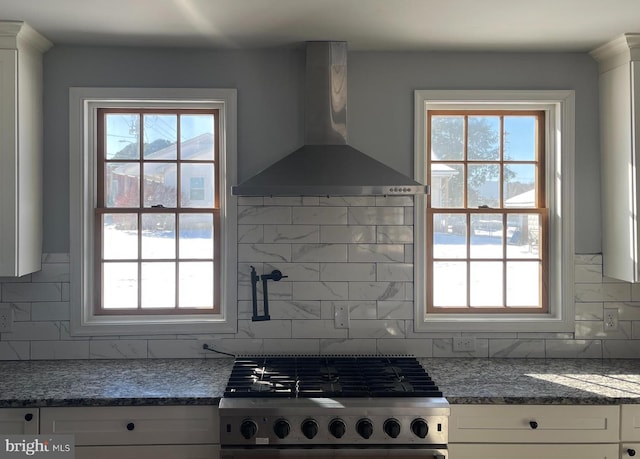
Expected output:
(326, 165)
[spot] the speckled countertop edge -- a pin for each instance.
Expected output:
(202, 381)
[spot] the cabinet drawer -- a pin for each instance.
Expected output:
(630, 428)
(159, 425)
(533, 424)
(629, 450)
(486, 451)
(19, 421)
(148, 452)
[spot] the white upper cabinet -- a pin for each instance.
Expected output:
(619, 68)
(21, 50)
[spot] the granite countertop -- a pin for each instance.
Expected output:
(202, 381)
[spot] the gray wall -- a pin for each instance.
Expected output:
(270, 83)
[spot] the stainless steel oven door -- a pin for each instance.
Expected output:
(332, 453)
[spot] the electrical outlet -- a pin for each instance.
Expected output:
(610, 319)
(6, 319)
(464, 344)
(341, 316)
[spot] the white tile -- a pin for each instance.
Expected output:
(443, 347)
(414, 347)
(174, 349)
(380, 291)
(59, 350)
(22, 279)
(264, 329)
(376, 216)
(294, 309)
(65, 288)
(380, 253)
(573, 349)
(15, 350)
(587, 259)
(56, 258)
(317, 329)
(347, 234)
(626, 311)
(348, 201)
(319, 252)
(395, 234)
(50, 311)
(118, 349)
(394, 201)
(395, 309)
(588, 274)
(589, 311)
(408, 253)
(616, 292)
(25, 293)
(347, 271)
(588, 293)
(358, 347)
(283, 201)
(250, 201)
(394, 272)
(297, 346)
(320, 290)
(622, 349)
(409, 213)
(264, 215)
(507, 348)
(33, 331)
(21, 311)
(595, 330)
(291, 233)
(235, 346)
(319, 215)
(264, 252)
(250, 234)
(52, 272)
(362, 309)
(310, 201)
(295, 271)
(388, 329)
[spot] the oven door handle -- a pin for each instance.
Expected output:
(332, 453)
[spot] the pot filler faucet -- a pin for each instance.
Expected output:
(274, 276)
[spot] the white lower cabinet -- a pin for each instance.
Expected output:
(534, 431)
(630, 431)
(159, 432)
(19, 421)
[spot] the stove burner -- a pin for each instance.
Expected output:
(306, 377)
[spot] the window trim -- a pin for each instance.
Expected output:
(559, 106)
(83, 104)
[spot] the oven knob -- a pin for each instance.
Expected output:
(281, 428)
(392, 427)
(337, 427)
(419, 427)
(310, 428)
(364, 428)
(248, 428)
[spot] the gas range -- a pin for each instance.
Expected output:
(336, 402)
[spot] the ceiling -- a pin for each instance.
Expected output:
(451, 25)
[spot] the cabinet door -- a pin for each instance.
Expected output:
(534, 424)
(142, 425)
(630, 423)
(489, 451)
(19, 421)
(148, 452)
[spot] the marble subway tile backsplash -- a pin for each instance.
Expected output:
(347, 252)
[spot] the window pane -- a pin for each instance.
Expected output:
(523, 284)
(196, 137)
(122, 182)
(120, 236)
(523, 236)
(450, 284)
(484, 185)
(158, 235)
(196, 236)
(486, 284)
(196, 285)
(520, 138)
(160, 136)
(197, 185)
(449, 236)
(160, 184)
(486, 236)
(158, 285)
(519, 185)
(447, 137)
(120, 285)
(484, 138)
(122, 132)
(447, 185)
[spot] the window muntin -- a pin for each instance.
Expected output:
(486, 219)
(156, 242)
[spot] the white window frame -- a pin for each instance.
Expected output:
(559, 108)
(83, 106)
